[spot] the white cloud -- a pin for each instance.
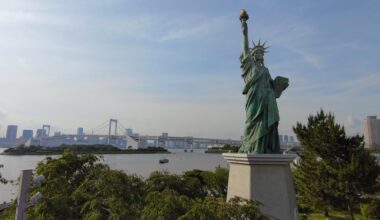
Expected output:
(183, 31)
(157, 29)
(361, 83)
(311, 59)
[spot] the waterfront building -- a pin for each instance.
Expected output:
(26, 134)
(165, 135)
(286, 138)
(57, 133)
(11, 133)
(281, 138)
(133, 142)
(291, 139)
(372, 132)
(80, 131)
(129, 131)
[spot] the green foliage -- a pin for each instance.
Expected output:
(111, 194)
(78, 187)
(2, 180)
(231, 148)
(225, 149)
(193, 184)
(210, 208)
(9, 213)
(165, 205)
(216, 208)
(334, 170)
(217, 181)
(81, 187)
(371, 210)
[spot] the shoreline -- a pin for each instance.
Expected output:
(89, 149)
(81, 152)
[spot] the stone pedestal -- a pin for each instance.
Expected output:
(266, 178)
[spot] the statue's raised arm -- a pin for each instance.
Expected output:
(243, 18)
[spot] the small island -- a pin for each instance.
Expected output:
(225, 149)
(80, 149)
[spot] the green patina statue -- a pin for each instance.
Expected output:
(262, 117)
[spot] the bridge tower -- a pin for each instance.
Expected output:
(112, 121)
(47, 128)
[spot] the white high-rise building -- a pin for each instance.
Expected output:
(372, 132)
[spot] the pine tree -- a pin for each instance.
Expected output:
(334, 170)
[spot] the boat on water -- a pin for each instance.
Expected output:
(164, 160)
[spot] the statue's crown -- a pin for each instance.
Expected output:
(259, 46)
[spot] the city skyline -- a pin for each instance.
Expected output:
(120, 137)
(15, 131)
(173, 67)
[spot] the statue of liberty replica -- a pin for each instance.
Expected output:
(259, 171)
(262, 117)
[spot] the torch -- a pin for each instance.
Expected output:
(243, 15)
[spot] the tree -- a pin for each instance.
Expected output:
(217, 181)
(82, 187)
(216, 208)
(110, 194)
(334, 170)
(371, 210)
(158, 181)
(2, 180)
(165, 205)
(210, 208)
(193, 184)
(208, 182)
(79, 187)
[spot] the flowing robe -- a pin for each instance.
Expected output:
(262, 117)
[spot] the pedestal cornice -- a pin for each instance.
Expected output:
(250, 159)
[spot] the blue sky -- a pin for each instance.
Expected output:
(172, 66)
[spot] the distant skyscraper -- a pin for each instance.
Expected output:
(286, 138)
(372, 132)
(291, 139)
(129, 131)
(80, 131)
(27, 134)
(11, 133)
(165, 135)
(281, 137)
(57, 133)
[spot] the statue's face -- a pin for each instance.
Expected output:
(259, 56)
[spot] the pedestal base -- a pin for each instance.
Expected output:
(266, 178)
